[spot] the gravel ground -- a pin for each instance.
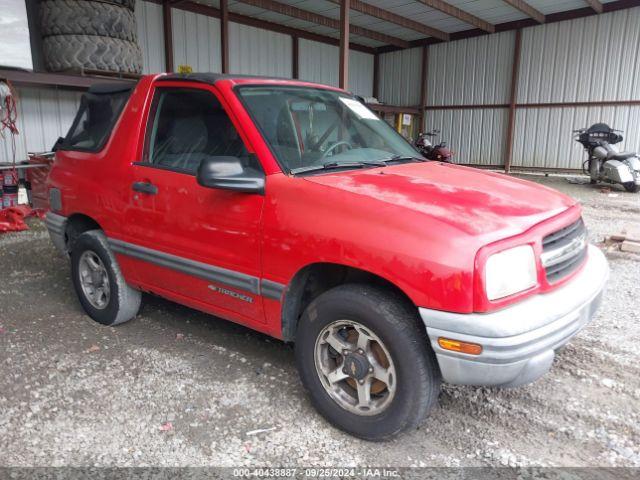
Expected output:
(176, 387)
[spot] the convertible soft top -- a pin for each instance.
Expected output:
(211, 77)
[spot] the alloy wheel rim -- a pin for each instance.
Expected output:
(355, 367)
(94, 280)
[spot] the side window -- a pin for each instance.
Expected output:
(95, 119)
(187, 126)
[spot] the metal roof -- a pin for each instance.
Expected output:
(492, 11)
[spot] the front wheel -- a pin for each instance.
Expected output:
(98, 281)
(366, 362)
(632, 187)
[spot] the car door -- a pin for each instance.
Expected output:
(196, 245)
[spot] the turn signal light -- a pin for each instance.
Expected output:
(458, 346)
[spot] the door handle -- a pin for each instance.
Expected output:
(145, 187)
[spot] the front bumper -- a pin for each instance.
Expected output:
(518, 342)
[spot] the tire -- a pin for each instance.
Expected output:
(388, 317)
(80, 17)
(632, 187)
(92, 52)
(122, 302)
(130, 4)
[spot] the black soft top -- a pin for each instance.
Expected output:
(212, 78)
(110, 88)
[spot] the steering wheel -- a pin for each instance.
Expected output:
(334, 146)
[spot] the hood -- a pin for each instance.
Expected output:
(477, 202)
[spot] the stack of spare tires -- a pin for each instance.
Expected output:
(90, 35)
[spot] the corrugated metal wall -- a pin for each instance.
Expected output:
(252, 50)
(476, 71)
(543, 136)
(255, 51)
(196, 41)
(596, 58)
(399, 77)
(361, 73)
(44, 114)
(588, 59)
(475, 135)
(319, 62)
(150, 36)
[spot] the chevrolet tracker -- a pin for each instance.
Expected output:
(291, 208)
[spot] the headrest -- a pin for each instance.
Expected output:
(187, 134)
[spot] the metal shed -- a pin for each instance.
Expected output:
(505, 80)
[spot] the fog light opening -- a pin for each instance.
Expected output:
(459, 346)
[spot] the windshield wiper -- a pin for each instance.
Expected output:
(334, 165)
(402, 158)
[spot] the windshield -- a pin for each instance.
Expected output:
(309, 127)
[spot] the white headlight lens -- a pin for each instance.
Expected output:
(510, 271)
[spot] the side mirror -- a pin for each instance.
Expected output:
(229, 173)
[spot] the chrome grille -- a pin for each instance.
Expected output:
(564, 250)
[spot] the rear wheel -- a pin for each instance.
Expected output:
(632, 187)
(99, 284)
(366, 362)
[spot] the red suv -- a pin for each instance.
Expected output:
(291, 208)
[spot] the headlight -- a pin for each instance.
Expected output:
(510, 271)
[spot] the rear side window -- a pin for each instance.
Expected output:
(187, 126)
(95, 119)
